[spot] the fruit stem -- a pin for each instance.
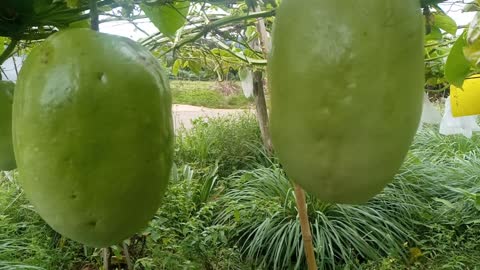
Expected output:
(94, 15)
(305, 226)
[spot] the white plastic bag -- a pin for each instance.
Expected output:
(450, 125)
(246, 78)
(430, 115)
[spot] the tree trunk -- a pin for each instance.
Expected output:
(261, 109)
(305, 225)
(94, 22)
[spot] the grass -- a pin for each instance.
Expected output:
(261, 204)
(232, 141)
(229, 206)
(26, 242)
(442, 176)
(209, 94)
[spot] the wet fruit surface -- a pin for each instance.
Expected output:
(346, 79)
(93, 135)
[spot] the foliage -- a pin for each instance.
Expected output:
(207, 94)
(182, 235)
(428, 218)
(232, 141)
(443, 174)
(27, 242)
(261, 205)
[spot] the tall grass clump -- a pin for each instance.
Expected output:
(261, 205)
(441, 175)
(231, 141)
(430, 213)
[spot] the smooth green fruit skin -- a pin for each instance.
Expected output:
(346, 80)
(7, 158)
(93, 135)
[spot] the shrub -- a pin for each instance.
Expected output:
(232, 141)
(183, 235)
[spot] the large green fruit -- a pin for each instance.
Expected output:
(93, 135)
(346, 81)
(7, 158)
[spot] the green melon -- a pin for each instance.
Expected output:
(346, 80)
(7, 158)
(93, 135)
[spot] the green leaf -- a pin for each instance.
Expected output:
(40, 6)
(471, 7)
(176, 67)
(167, 18)
(446, 23)
(435, 34)
(2, 44)
(195, 66)
(444, 202)
(236, 215)
(73, 3)
(457, 67)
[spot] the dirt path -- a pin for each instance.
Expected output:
(184, 114)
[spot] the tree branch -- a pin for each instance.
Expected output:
(219, 23)
(8, 51)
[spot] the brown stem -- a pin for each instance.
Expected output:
(107, 256)
(262, 31)
(127, 256)
(261, 108)
(305, 225)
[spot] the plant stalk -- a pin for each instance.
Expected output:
(258, 89)
(305, 225)
(262, 112)
(128, 259)
(107, 255)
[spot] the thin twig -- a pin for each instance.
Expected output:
(4, 74)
